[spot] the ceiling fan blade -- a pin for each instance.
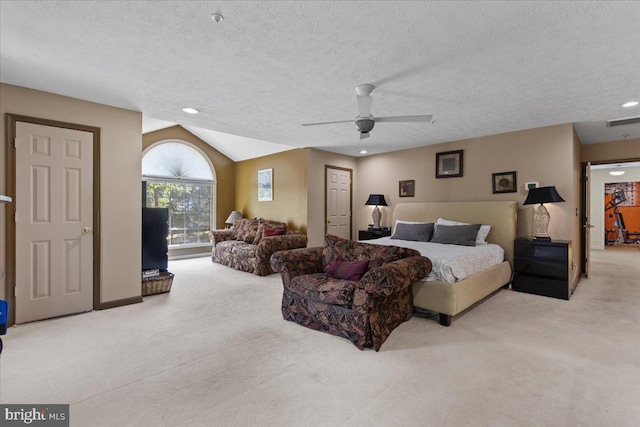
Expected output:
(327, 123)
(364, 105)
(405, 119)
(364, 135)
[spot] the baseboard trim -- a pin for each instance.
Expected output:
(197, 255)
(119, 303)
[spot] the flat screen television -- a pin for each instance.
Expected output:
(155, 229)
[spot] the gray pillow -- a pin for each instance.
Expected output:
(464, 235)
(413, 232)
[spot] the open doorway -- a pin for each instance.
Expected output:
(622, 213)
(615, 206)
(594, 234)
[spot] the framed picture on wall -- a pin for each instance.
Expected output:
(407, 188)
(504, 182)
(529, 185)
(449, 164)
(265, 185)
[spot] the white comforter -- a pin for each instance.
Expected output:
(451, 263)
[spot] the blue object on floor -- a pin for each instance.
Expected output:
(4, 316)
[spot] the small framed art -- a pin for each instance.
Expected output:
(449, 164)
(265, 185)
(407, 188)
(529, 185)
(504, 182)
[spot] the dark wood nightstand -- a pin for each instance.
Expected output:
(542, 267)
(373, 234)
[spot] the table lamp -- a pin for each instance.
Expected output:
(233, 217)
(376, 200)
(541, 216)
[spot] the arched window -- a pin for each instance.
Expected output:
(178, 176)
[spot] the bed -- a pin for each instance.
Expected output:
(446, 298)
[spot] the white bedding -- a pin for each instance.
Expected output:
(451, 263)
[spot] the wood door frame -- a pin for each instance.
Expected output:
(10, 225)
(583, 201)
(326, 168)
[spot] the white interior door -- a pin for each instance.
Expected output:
(54, 215)
(587, 215)
(338, 202)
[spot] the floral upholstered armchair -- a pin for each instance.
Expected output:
(250, 244)
(354, 290)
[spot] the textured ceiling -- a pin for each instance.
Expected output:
(480, 68)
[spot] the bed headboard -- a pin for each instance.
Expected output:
(501, 216)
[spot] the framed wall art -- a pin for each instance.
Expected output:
(449, 164)
(265, 185)
(529, 185)
(504, 182)
(407, 188)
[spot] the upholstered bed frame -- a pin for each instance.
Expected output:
(449, 299)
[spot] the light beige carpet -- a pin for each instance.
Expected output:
(216, 352)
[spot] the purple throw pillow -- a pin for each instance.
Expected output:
(268, 231)
(347, 270)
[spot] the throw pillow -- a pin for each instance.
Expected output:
(416, 232)
(481, 239)
(267, 223)
(246, 229)
(347, 270)
(464, 235)
(268, 231)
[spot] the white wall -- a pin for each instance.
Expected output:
(598, 178)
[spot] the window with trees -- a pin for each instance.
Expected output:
(179, 177)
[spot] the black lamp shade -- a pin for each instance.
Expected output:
(377, 200)
(543, 195)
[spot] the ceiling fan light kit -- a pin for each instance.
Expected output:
(364, 126)
(365, 121)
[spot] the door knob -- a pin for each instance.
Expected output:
(588, 226)
(86, 230)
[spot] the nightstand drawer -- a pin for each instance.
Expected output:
(525, 249)
(540, 286)
(541, 268)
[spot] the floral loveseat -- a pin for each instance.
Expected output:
(322, 293)
(251, 242)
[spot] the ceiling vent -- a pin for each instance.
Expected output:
(620, 122)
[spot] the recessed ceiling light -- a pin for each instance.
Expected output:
(217, 17)
(190, 110)
(616, 173)
(363, 151)
(630, 104)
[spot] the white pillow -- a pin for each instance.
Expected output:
(482, 233)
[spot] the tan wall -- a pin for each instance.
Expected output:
(120, 157)
(544, 155)
(289, 202)
(317, 160)
(224, 167)
(618, 150)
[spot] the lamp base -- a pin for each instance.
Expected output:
(543, 239)
(541, 220)
(376, 215)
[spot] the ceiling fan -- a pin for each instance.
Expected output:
(365, 121)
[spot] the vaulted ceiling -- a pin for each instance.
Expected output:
(480, 68)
